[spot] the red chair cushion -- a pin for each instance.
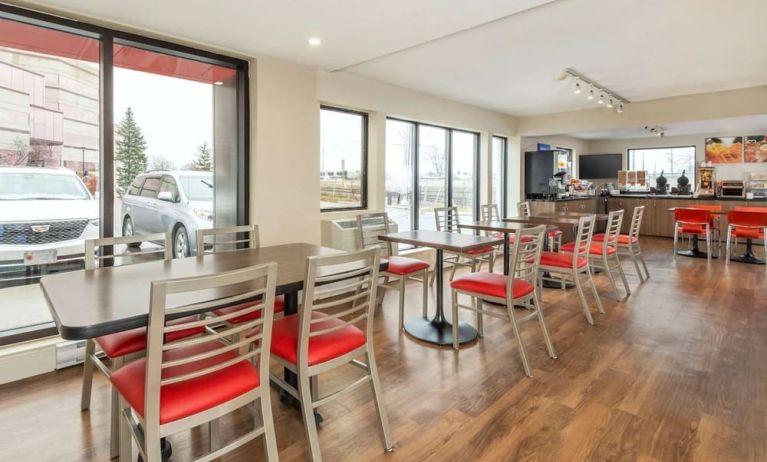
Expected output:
(747, 233)
(561, 260)
(594, 249)
(182, 399)
(491, 284)
(554, 233)
(321, 347)
(692, 229)
(624, 239)
(279, 307)
(404, 265)
(134, 340)
(479, 250)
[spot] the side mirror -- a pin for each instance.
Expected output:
(165, 196)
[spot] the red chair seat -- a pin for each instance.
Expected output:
(404, 265)
(480, 251)
(279, 307)
(321, 347)
(693, 229)
(623, 239)
(491, 284)
(561, 260)
(134, 340)
(182, 399)
(747, 233)
(594, 249)
(554, 233)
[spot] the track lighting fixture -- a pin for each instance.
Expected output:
(577, 88)
(657, 131)
(607, 98)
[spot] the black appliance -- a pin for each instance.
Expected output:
(540, 168)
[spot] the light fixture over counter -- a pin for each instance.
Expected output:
(603, 95)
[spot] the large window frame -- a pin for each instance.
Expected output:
(503, 169)
(671, 177)
(363, 161)
(107, 39)
(415, 206)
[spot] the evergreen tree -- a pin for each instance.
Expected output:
(130, 151)
(203, 159)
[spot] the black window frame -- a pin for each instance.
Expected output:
(414, 211)
(692, 175)
(504, 173)
(107, 38)
(363, 162)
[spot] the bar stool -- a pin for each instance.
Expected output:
(693, 222)
(324, 334)
(121, 346)
(574, 264)
(554, 236)
(746, 223)
(516, 289)
(447, 220)
(628, 244)
(185, 383)
(604, 255)
(399, 269)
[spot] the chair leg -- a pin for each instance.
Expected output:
(676, 239)
(518, 335)
(454, 308)
(270, 439)
(375, 387)
(635, 260)
(85, 399)
(126, 443)
(728, 246)
(214, 435)
(586, 309)
(594, 291)
(477, 304)
(402, 302)
(492, 261)
(610, 276)
(425, 305)
(622, 275)
(544, 329)
(455, 266)
(114, 438)
(310, 424)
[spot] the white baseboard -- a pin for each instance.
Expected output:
(28, 359)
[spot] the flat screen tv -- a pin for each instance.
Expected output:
(599, 166)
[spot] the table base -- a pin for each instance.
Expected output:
(439, 332)
(694, 253)
(748, 258)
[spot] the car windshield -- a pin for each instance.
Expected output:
(15, 186)
(197, 187)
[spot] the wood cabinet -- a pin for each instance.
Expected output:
(587, 205)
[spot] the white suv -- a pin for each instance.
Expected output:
(46, 213)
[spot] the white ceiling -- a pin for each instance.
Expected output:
(498, 54)
(732, 126)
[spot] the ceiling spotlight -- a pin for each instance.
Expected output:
(577, 88)
(315, 41)
(619, 109)
(591, 94)
(610, 102)
(582, 84)
(601, 98)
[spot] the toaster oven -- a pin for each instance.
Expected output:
(732, 188)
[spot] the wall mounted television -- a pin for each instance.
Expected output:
(599, 166)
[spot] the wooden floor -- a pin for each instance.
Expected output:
(677, 372)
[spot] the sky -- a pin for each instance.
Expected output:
(175, 115)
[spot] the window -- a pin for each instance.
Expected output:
(499, 153)
(343, 159)
(70, 155)
(672, 162)
(428, 167)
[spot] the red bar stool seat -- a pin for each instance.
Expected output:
(322, 347)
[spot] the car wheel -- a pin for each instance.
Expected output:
(128, 231)
(180, 243)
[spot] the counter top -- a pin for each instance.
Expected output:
(690, 197)
(566, 199)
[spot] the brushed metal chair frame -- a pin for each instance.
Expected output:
(349, 296)
(525, 257)
(584, 234)
(367, 237)
(555, 242)
(255, 282)
(632, 249)
(603, 262)
(93, 261)
(447, 219)
(234, 238)
(709, 231)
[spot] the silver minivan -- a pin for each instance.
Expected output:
(178, 202)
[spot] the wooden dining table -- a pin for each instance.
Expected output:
(438, 330)
(501, 227)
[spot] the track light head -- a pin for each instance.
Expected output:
(610, 102)
(591, 94)
(601, 98)
(577, 88)
(619, 109)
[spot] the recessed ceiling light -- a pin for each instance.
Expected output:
(218, 82)
(315, 41)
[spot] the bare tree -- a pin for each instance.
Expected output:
(161, 163)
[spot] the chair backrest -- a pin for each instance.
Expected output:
(692, 216)
(583, 236)
(751, 209)
(201, 296)
(447, 219)
(525, 256)
(369, 227)
(337, 287)
(747, 218)
(523, 208)
(636, 222)
(612, 230)
(101, 249)
(490, 212)
(231, 238)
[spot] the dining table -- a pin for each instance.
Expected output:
(498, 227)
(438, 330)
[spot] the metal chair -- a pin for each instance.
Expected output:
(339, 294)
(694, 222)
(554, 236)
(516, 289)
(747, 223)
(574, 264)
(399, 269)
(628, 244)
(189, 382)
(447, 219)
